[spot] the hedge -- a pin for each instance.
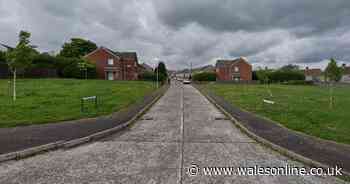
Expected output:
(204, 76)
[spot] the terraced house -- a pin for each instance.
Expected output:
(234, 70)
(111, 65)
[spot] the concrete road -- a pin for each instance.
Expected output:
(180, 133)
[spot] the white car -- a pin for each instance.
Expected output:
(186, 81)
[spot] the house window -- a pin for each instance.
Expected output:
(110, 61)
(236, 69)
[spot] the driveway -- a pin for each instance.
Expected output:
(181, 131)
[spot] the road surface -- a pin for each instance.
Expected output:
(180, 133)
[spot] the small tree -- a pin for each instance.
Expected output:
(333, 74)
(264, 77)
(161, 72)
(20, 57)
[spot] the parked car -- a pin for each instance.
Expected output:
(186, 81)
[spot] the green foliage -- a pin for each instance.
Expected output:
(44, 60)
(21, 57)
(282, 75)
(263, 75)
(290, 67)
(78, 47)
(204, 76)
(162, 71)
(286, 75)
(148, 76)
(74, 68)
(2, 57)
(333, 72)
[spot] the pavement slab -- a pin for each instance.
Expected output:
(182, 129)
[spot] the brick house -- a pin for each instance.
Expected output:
(314, 74)
(112, 65)
(233, 70)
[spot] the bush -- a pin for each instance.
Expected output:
(73, 70)
(148, 76)
(282, 76)
(204, 76)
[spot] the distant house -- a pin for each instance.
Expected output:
(145, 68)
(346, 74)
(111, 65)
(234, 70)
(314, 74)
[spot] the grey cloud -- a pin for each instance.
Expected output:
(305, 17)
(268, 32)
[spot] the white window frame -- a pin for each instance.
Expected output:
(110, 61)
(236, 69)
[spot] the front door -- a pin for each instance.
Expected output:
(110, 76)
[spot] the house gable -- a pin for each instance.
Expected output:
(124, 65)
(238, 69)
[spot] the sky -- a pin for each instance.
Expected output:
(269, 33)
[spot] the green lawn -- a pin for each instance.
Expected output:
(51, 100)
(301, 108)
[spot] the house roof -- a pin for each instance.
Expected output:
(146, 66)
(116, 54)
(5, 46)
(225, 62)
(313, 72)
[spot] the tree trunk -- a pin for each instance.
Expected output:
(14, 85)
(331, 95)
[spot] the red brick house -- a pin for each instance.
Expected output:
(112, 65)
(234, 70)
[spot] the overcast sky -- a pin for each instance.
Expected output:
(267, 32)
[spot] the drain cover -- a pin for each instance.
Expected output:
(147, 118)
(221, 118)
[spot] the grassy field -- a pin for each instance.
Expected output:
(301, 108)
(51, 100)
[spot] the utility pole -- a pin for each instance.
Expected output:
(190, 77)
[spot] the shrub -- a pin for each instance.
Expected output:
(147, 76)
(73, 69)
(204, 76)
(282, 76)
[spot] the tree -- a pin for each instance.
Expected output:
(77, 47)
(44, 60)
(161, 72)
(333, 74)
(20, 57)
(264, 77)
(162, 69)
(290, 67)
(2, 57)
